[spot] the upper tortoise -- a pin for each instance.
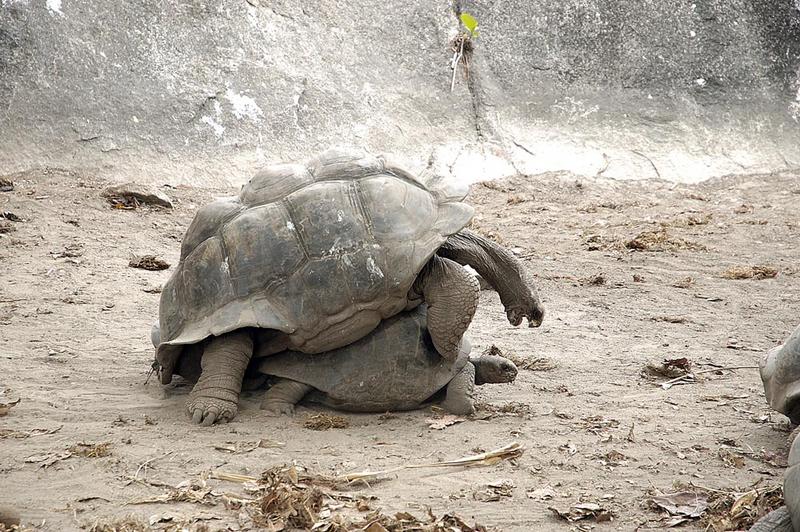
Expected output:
(311, 257)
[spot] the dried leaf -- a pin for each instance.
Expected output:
(6, 402)
(325, 422)
(20, 434)
(670, 368)
(731, 459)
(569, 448)
(91, 450)
(670, 319)
(734, 510)
(682, 504)
(241, 447)
(494, 491)
(614, 457)
(631, 437)
(545, 493)
(193, 491)
(47, 459)
(443, 422)
(595, 424)
(582, 511)
(750, 272)
(148, 262)
(130, 523)
(660, 240)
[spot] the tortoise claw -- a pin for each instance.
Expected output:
(210, 418)
(518, 313)
(206, 413)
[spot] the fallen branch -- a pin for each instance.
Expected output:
(689, 377)
(723, 368)
(507, 452)
(454, 64)
(144, 464)
(512, 450)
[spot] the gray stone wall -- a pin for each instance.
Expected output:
(205, 92)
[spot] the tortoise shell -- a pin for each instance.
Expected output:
(396, 367)
(321, 252)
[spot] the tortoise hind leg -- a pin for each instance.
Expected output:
(451, 294)
(215, 397)
(460, 390)
(283, 395)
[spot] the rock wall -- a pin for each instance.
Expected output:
(204, 92)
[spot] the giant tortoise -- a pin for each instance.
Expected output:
(780, 373)
(311, 257)
(394, 368)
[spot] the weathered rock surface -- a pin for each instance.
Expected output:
(204, 92)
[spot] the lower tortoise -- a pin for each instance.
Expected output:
(394, 368)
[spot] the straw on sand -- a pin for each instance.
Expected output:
(507, 452)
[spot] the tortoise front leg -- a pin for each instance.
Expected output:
(460, 391)
(283, 395)
(502, 270)
(215, 397)
(451, 294)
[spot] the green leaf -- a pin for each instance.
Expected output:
(470, 23)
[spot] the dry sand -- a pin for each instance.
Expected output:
(74, 348)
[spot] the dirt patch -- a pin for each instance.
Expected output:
(750, 272)
(325, 422)
(130, 523)
(660, 240)
(148, 262)
(74, 345)
(91, 450)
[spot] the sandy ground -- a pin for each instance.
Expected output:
(74, 348)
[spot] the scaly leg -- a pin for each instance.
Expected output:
(451, 293)
(215, 397)
(460, 390)
(283, 395)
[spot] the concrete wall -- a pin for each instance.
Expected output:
(204, 92)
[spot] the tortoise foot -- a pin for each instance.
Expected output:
(277, 409)
(280, 399)
(459, 399)
(459, 407)
(206, 411)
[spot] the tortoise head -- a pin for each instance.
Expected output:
(494, 369)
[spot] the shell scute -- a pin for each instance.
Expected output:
(262, 247)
